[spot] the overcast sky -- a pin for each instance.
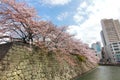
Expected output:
(82, 16)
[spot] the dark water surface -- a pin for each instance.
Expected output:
(102, 73)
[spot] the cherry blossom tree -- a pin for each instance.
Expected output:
(17, 17)
(20, 19)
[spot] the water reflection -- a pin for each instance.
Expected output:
(103, 73)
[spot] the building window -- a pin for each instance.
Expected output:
(115, 46)
(114, 43)
(118, 52)
(116, 49)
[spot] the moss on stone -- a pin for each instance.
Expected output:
(81, 58)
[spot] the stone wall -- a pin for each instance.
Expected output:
(24, 63)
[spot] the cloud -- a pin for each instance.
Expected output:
(62, 16)
(88, 16)
(83, 5)
(55, 2)
(46, 17)
(78, 18)
(81, 12)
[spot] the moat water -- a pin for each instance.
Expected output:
(102, 73)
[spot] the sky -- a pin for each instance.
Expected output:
(81, 16)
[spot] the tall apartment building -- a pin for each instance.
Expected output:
(110, 35)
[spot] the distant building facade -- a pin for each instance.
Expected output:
(110, 35)
(97, 47)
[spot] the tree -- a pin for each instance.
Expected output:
(18, 17)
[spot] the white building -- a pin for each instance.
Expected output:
(111, 39)
(4, 38)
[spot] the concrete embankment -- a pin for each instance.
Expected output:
(110, 64)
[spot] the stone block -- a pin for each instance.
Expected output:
(9, 74)
(14, 73)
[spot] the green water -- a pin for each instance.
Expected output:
(102, 73)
